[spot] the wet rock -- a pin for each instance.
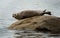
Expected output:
(46, 24)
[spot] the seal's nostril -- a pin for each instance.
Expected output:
(13, 15)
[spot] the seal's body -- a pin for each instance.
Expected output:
(29, 13)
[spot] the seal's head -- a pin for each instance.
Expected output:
(14, 15)
(17, 16)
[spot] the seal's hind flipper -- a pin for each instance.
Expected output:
(44, 10)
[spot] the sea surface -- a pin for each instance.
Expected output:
(8, 7)
(4, 32)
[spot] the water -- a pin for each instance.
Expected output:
(4, 32)
(8, 7)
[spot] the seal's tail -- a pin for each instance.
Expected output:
(48, 12)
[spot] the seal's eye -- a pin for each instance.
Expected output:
(14, 15)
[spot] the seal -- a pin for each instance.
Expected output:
(29, 13)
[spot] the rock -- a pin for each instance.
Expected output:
(48, 24)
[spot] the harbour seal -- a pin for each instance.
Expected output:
(29, 13)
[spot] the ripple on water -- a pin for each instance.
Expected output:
(4, 33)
(21, 34)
